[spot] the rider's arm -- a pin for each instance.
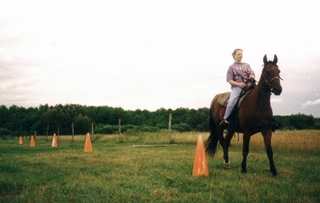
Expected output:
(238, 84)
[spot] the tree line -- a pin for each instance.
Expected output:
(45, 119)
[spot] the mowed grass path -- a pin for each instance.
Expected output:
(117, 171)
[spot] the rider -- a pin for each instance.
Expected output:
(238, 74)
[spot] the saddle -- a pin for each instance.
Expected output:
(224, 97)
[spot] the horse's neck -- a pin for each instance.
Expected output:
(261, 93)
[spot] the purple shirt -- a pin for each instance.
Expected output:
(239, 72)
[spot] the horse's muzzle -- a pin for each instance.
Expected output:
(276, 90)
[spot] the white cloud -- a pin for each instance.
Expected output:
(276, 100)
(311, 103)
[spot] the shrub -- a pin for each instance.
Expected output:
(5, 132)
(107, 129)
(181, 127)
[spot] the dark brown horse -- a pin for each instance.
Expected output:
(254, 115)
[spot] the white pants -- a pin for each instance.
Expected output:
(235, 93)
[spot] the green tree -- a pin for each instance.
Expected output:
(301, 121)
(82, 124)
(4, 115)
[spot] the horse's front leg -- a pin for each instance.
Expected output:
(245, 151)
(267, 135)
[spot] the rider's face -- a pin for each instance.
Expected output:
(238, 56)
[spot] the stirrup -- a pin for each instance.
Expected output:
(224, 121)
(224, 124)
(275, 125)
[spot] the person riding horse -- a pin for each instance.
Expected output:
(239, 76)
(254, 115)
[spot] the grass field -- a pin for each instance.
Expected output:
(126, 170)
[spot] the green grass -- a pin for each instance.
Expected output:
(116, 171)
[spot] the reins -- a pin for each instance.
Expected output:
(269, 84)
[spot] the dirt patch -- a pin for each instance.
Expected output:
(285, 173)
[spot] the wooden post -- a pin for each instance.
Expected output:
(47, 132)
(92, 131)
(72, 128)
(58, 132)
(169, 128)
(119, 128)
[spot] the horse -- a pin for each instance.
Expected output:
(254, 115)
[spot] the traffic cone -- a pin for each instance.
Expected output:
(87, 146)
(32, 141)
(20, 140)
(200, 167)
(54, 141)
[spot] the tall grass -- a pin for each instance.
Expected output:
(122, 169)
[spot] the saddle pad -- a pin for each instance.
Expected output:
(222, 100)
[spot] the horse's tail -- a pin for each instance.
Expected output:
(212, 141)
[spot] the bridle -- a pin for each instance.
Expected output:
(269, 82)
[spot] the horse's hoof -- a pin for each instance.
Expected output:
(227, 165)
(243, 171)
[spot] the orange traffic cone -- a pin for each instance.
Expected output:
(87, 146)
(200, 167)
(32, 141)
(54, 141)
(20, 140)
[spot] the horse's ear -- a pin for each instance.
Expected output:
(275, 59)
(265, 59)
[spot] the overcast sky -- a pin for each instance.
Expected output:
(153, 54)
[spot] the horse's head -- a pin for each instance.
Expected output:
(271, 75)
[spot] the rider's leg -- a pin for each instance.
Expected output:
(232, 101)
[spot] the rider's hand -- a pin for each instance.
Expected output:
(242, 85)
